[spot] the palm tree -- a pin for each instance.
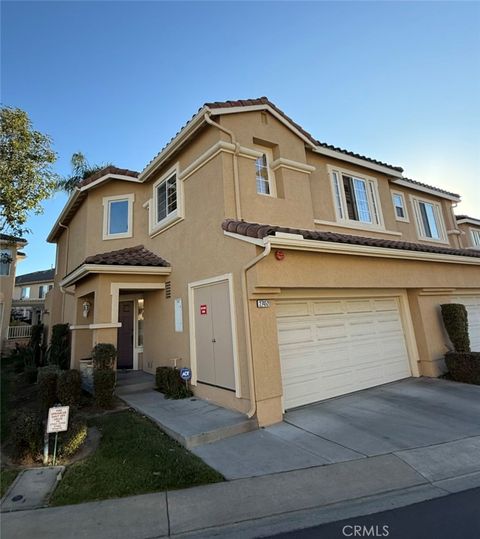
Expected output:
(81, 169)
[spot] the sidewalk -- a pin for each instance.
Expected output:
(247, 508)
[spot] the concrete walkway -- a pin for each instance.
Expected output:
(257, 506)
(192, 422)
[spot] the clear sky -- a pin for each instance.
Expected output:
(399, 82)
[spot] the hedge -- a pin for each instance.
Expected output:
(455, 320)
(168, 382)
(47, 386)
(104, 386)
(26, 434)
(103, 355)
(72, 440)
(464, 366)
(69, 387)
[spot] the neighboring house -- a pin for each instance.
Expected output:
(29, 295)
(9, 256)
(470, 231)
(281, 269)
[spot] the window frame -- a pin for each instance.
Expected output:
(340, 203)
(173, 217)
(268, 153)
(475, 232)
(8, 264)
(43, 288)
(130, 198)
(439, 219)
(405, 218)
(27, 294)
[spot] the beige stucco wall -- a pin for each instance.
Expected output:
(465, 237)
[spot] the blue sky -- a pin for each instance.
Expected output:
(116, 80)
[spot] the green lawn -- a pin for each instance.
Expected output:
(6, 479)
(134, 457)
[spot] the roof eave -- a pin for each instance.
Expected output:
(428, 190)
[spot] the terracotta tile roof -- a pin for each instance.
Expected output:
(108, 170)
(415, 182)
(265, 101)
(256, 230)
(36, 277)
(131, 256)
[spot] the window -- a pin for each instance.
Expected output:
(264, 175)
(429, 220)
(25, 293)
(475, 237)
(5, 261)
(166, 206)
(42, 290)
(399, 207)
(166, 198)
(117, 216)
(356, 199)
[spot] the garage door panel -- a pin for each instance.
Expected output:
(293, 309)
(472, 304)
(352, 344)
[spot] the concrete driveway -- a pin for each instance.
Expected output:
(420, 420)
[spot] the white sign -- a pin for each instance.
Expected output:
(58, 419)
(178, 315)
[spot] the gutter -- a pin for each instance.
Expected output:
(236, 182)
(251, 368)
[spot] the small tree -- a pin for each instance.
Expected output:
(26, 175)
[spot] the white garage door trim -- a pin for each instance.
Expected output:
(344, 313)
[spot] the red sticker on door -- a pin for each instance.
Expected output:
(203, 309)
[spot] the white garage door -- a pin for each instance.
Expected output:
(336, 346)
(472, 304)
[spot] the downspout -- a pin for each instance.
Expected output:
(251, 368)
(236, 182)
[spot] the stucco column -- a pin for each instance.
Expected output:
(266, 363)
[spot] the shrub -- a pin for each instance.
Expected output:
(58, 353)
(22, 356)
(47, 386)
(36, 341)
(464, 366)
(103, 355)
(104, 386)
(69, 387)
(71, 440)
(455, 320)
(26, 434)
(168, 381)
(31, 373)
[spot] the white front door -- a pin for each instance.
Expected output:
(329, 347)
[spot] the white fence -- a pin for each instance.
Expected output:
(19, 332)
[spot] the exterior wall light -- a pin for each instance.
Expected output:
(86, 308)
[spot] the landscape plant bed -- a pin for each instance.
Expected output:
(7, 476)
(134, 457)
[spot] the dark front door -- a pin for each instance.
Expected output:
(125, 335)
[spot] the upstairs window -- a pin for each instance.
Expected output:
(25, 293)
(42, 290)
(429, 220)
(399, 206)
(356, 199)
(264, 176)
(166, 198)
(475, 237)
(117, 216)
(5, 261)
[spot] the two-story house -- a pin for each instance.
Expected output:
(281, 269)
(29, 295)
(10, 255)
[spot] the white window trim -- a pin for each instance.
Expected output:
(351, 222)
(402, 195)
(472, 237)
(155, 227)
(439, 214)
(271, 175)
(130, 198)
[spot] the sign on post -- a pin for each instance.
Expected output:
(58, 419)
(185, 374)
